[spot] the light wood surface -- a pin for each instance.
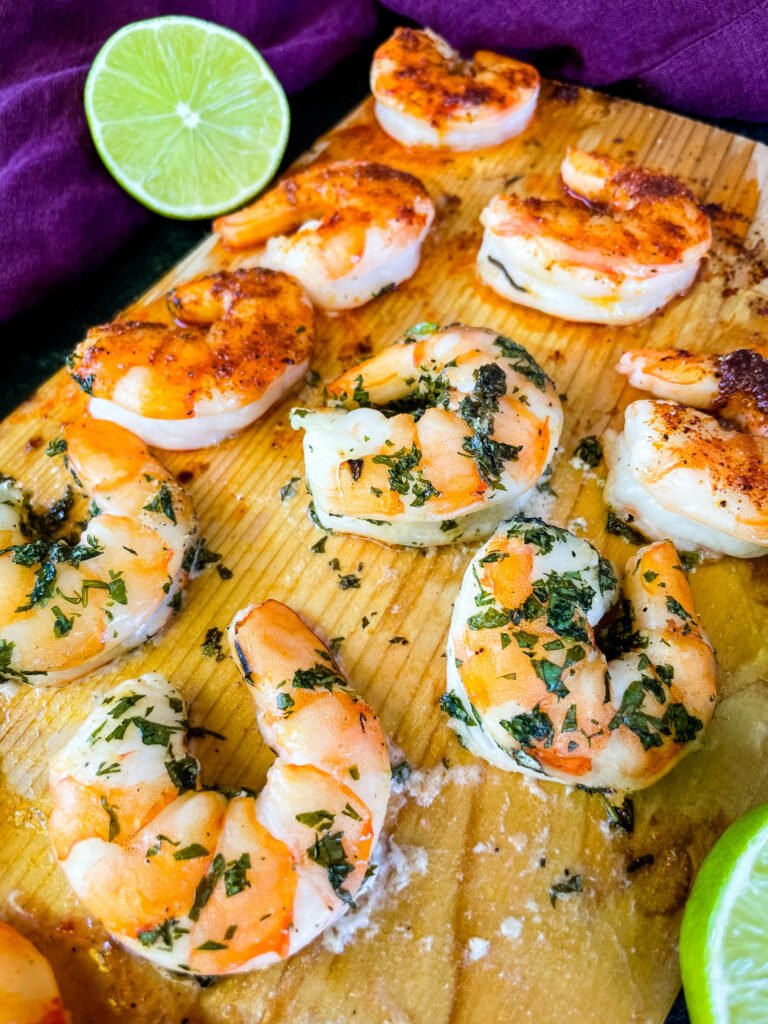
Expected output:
(460, 927)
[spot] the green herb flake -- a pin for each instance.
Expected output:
(289, 490)
(235, 876)
(211, 646)
(114, 824)
(162, 502)
(328, 851)
(206, 885)
(320, 820)
(621, 528)
(589, 451)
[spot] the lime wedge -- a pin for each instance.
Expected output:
(724, 934)
(186, 115)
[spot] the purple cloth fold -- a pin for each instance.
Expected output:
(61, 215)
(703, 57)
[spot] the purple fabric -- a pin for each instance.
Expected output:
(698, 56)
(61, 215)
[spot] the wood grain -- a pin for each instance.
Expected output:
(460, 927)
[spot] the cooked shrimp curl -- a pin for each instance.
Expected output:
(681, 472)
(426, 95)
(247, 339)
(68, 605)
(28, 990)
(532, 689)
(733, 385)
(347, 231)
(618, 248)
(433, 439)
(208, 883)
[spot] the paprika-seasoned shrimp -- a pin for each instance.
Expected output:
(531, 689)
(247, 340)
(357, 229)
(433, 439)
(68, 605)
(28, 990)
(426, 95)
(679, 473)
(734, 385)
(199, 881)
(617, 249)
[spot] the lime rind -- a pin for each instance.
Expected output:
(186, 115)
(724, 932)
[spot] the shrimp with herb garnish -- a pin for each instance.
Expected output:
(426, 95)
(617, 248)
(347, 231)
(28, 990)
(69, 604)
(246, 340)
(531, 689)
(201, 880)
(433, 439)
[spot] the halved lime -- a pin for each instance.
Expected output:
(186, 115)
(724, 934)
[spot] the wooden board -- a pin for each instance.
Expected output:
(460, 927)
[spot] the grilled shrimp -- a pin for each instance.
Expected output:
(28, 990)
(433, 439)
(247, 340)
(618, 248)
(348, 231)
(733, 385)
(68, 605)
(532, 690)
(680, 473)
(194, 879)
(426, 95)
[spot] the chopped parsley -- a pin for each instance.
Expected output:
(211, 646)
(405, 478)
(589, 451)
(183, 772)
(537, 533)
(523, 362)
(491, 618)
(621, 528)
(166, 933)
(162, 502)
(206, 885)
(319, 676)
(114, 824)
(191, 852)
(289, 490)
(235, 876)
(533, 727)
(452, 705)
(328, 851)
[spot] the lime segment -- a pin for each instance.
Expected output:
(724, 934)
(186, 115)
